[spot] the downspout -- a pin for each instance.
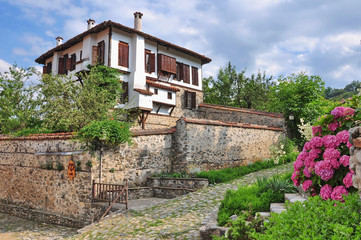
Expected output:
(110, 46)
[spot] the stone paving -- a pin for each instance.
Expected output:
(179, 218)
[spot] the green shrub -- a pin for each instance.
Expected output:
(316, 219)
(254, 198)
(228, 174)
(29, 131)
(59, 166)
(106, 133)
(89, 164)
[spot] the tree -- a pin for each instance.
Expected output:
(17, 104)
(300, 96)
(69, 105)
(236, 89)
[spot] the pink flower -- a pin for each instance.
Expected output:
(326, 191)
(342, 137)
(338, 112)
(334, 163)
(348, 180)
(349, 145)
(338, 192)
(345, 160)
(324, 170)
(333, 126)
(306, 185)
(330, 141)
(331, 153)
(307, 147)
(317, 130)
(348, 111)
(296, 178)
(307, 172)
(298, 165)
(302, 156)
(316, 142)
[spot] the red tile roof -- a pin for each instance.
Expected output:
(161, 86)
(229, 124)
(106, 24)
(143, 91)
(245, 110)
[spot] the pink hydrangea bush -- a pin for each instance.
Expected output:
(323, 165)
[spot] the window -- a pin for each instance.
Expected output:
(149, 61)
(72, 62)
(190, 100)
(47, 68)
(62, 66)
(169, 95)
(100, 53)
(166, 64)
(155, 91)
(123, 54)
(195, 76)
(186, 78)
(81, 55)
(179, 74)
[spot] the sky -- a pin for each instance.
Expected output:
(279, 37)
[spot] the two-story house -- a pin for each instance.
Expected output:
(159, 78)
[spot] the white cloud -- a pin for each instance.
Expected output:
(4, 66)
(34, 44)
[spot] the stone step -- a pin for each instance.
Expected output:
(264, 214)
(294, 197)
(277, 207)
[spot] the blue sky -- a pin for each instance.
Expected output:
(277, 36)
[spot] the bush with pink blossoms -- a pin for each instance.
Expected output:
(323, 165)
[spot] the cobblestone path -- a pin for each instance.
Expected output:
(179, 218)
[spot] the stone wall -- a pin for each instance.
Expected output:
(355, 156)
(210, 144)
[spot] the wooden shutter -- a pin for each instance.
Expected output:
(123, 54)
(186, 99)
(45, 69)
(186, 73)
(152, 62)
(101, 52)
(61, 69)
(73, 61)
(68, 64)
(195, 76)
(94, 55)
(49, 67)
(167, 64)
(193, 102)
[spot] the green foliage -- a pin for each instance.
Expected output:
(104, 134)
(343, 93)
(89, 164)
(78, 166)
(254, 198)
(316, 219)
(236, 89)
(243, 227)
(48, 165)
(59, 166)
(282, 148)
(69, 105)
(228, 174)
(17, 104)
(112, 170)
(298, 95)
(28, 131)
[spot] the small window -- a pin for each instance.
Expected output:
(169, 95)
(81, 55)
(72, 62)
(155, 91)
(123, 54)
(190, 100)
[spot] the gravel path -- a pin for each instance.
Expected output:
(179, 218)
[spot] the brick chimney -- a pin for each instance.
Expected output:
(138, 21)
(91, 23)
(59, 41)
